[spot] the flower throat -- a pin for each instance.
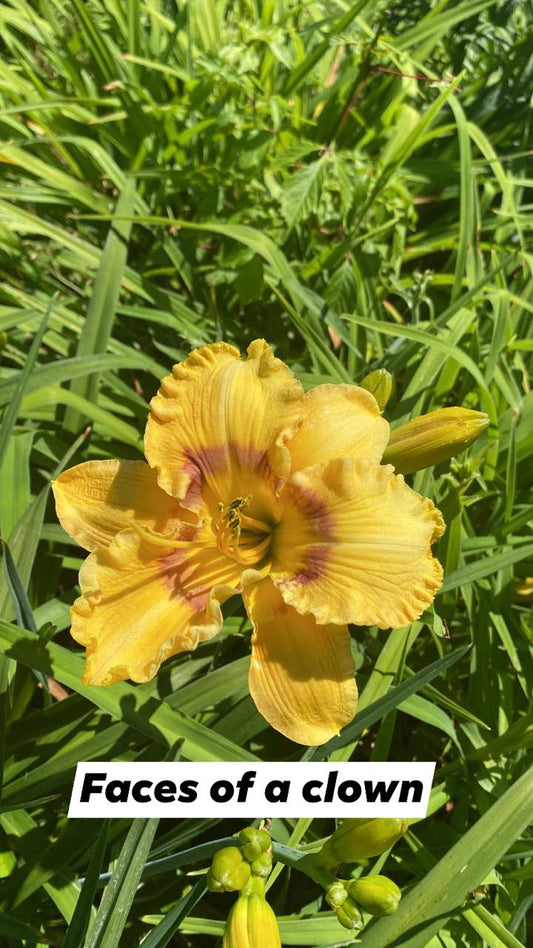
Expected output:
(242, 537)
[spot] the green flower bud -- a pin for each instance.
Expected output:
(262, 866)
(251, 923)
(358, 839)
(379, 384)
(432, 438)
(229, 872)
(377, 895)
(349, 915)
(254, 842)
(336, 895)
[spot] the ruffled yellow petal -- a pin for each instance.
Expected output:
(342, 421)
(98, 499)
(301, 674)
(219, 425)
(354, 545)
(144, 599)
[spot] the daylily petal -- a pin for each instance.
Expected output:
(301, 674)
(354, 545)
(219, 425)
(98, 499)
(342, 421)
(144, 599)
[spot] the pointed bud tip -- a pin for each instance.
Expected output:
(349, 916)
(379, 384)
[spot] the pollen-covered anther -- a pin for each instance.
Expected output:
(244, 538)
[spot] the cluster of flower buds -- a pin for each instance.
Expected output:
(251, 922)
(359, 839)
(356, 840)
(347, 912)
(377, 895)
(234, 866)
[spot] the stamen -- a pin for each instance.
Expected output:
(243, 538)
(161, 539)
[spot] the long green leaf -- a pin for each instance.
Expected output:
(11, 412)
(378, 709)
(441, 893)
(488, 566)
(112, 915)
(84, 907)
(53, 373)
(104, 298)
(124, 702)
(171, 922)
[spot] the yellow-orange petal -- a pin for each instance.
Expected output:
(354, 545)
(219, 425)
(98, 499)
(142, 602)
(341, 421)
(301, 674)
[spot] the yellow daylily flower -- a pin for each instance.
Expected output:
(251, 487)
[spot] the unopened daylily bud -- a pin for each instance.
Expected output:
(251, 924)
(377, 895)
(262, 866)
(379, 384)
(349, 915)
(432, 438)
(229, 872)
(359, 839)
(254, 842)
(336, 895)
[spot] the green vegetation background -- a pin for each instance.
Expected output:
(352, 181)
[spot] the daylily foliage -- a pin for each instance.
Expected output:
(251, 487)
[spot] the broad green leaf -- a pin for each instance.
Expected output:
(98, 323)
(441, 893)
(84, 907)
(53, 373)
(10, 414)
(112, 915)
(171, 922)
(392, 699)
(488, 566)
(323, 930)
(302, 192)
(124, 702)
